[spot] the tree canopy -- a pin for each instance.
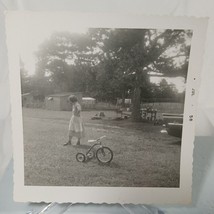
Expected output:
(113, 63)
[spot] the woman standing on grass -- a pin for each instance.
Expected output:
(76, 128)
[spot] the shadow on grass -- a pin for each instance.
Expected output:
(177, 142)
(82, 146)
(94, 160)
(112, 165)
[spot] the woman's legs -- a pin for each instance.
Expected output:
(69, 140)
(72, 134)
(78, 141)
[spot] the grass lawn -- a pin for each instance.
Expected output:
(143, 157)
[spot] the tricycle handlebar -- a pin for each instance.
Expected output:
(97, 140)
(100, 138)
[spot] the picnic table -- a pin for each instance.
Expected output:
(149, 114)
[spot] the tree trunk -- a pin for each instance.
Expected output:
(136, 114)
(123, 99)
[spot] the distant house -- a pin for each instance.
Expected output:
(88, 103)
(59, 102)
(127, 102)
(27, 99)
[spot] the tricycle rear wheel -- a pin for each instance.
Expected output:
(80, 157)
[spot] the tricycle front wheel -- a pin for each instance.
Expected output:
(104, 155)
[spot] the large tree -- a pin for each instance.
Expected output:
(63, 61)
(138, 52)
(111, 63)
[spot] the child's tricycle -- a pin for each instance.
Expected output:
(103, 154)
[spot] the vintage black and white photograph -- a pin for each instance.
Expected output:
(103, 106)
(125, 84)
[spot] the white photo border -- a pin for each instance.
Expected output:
(123, 195)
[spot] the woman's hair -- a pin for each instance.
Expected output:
(72, 99)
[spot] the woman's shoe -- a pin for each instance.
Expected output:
(68, 143)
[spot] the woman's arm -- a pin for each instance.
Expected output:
(77, 110)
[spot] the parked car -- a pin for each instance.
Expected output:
(174, 129)
(173, 124)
